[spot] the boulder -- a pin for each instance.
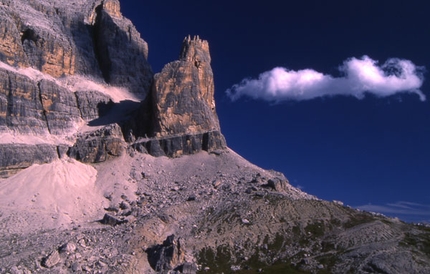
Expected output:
(168, 255)
(278, 184)
(111, 220)
(52, 259)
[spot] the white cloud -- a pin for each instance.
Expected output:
(404, 210)
(360, 76)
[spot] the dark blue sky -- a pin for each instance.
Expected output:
(372, 152)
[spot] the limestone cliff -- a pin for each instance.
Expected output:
(183, 92)
(75, 84)
(71, 66)
(62, 38)
(64, 64)
(179, 116)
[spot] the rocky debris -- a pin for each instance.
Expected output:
(98, 146)
(167, 256)
(15, 157)
(188, 268)
(223, 228)
(52, 259)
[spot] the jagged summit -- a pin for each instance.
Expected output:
(180, 114)
(107, 168)
(195, 50)
(183, 92)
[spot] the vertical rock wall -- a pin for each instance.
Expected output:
(183, 92)
(180, 115)
(43, 45)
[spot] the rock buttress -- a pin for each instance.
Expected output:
(183, 93)
(180, 117)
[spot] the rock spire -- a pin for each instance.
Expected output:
(183, 92)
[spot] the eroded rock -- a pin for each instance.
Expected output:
(167, 256)
(183, 92)
(14, 157)
(98, 146)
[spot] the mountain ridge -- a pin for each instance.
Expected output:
(109, 168)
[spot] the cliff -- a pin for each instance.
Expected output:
(67, 69)
(60, 64)
(108, 168)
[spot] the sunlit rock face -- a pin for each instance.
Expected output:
(57, 61)
(61, 38)
(183, 92)
(179, 116)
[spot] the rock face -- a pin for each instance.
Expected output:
(20, 104)
(75, 83)
(61, 38)
(98, 146)
(182, 145)
(180, 115)
(14, 157)
(122, 54)
(58, 60)
(183, 92)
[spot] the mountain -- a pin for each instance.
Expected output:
(108, 168)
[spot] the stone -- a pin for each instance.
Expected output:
(182, 145)
(75, 267)
(278, 184)
(216, 183)
(11, 50)
(111, 220)
(52, 259)
(98, 146)
(179, 117)
(59, 107)
(62, 38)
(191, 198)
(167, 256)
(68, 248)
(20, 104)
